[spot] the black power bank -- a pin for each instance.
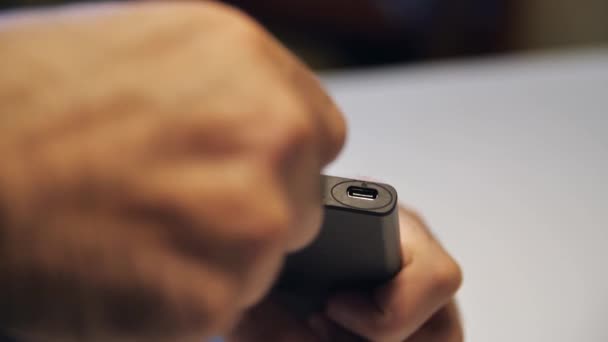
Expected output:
(358, 247)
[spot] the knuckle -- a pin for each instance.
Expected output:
(227, 12)
(250, 213)
(208, 9)
(298, 134)
(335, 128)
(447, 277)
(220, 310)
(301, 130)
(268, 228)
(234, 23)
(293, 136)
(244, 28)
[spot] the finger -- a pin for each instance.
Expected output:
(100, 274)
(444, 326)
(268, 321)
(288, 156)
(302, 184)
(244, 231)
(329, 134)
(427, 282)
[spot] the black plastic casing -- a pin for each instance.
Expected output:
(358, 247)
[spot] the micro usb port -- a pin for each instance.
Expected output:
(369, 194)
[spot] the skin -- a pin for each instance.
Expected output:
(159, 161)
(141, 142)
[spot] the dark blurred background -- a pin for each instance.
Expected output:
(354, 33)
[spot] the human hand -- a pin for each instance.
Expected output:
(416, 306)
(159, 161)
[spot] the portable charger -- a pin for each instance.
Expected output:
(358, 247)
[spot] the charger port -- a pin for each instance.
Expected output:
(368, 194)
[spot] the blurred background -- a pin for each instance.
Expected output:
(330, 34)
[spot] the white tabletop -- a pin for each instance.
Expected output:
(508, 160)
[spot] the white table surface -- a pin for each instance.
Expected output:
(508, 160)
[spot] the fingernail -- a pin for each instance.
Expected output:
(318, 324)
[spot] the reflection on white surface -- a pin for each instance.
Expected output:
(508, 160)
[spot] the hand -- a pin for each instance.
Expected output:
(416, 306)
(159, 161)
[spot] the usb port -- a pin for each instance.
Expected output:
(369, 194)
